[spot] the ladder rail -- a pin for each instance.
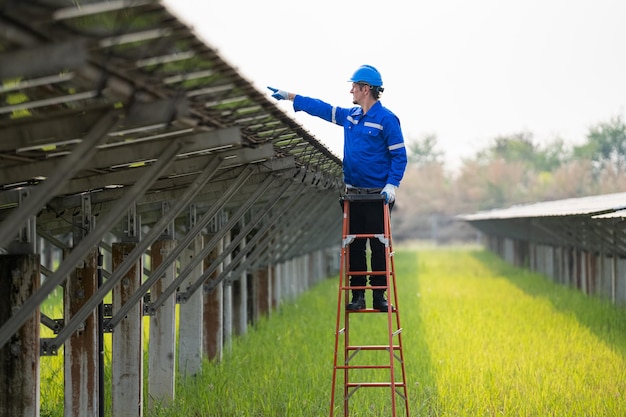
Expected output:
(398, 332)
(394, 345)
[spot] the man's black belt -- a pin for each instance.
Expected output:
(355, 190)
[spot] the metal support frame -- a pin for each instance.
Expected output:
(77, 255)
(261, 254)
(315, 240)
(130, 260)
(43, 59)
(211, 245)
(287, 226)
(26, 241)
(156, 274)
(292, 228)
(133, 225)
(234, 243)
(252, 246)
(62, 173)
(169, 232)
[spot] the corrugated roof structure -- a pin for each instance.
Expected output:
(117, 123)
(121, 101)
(592, 205)
(576, 241)
(585, 222)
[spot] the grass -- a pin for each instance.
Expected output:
(507, 342)
(481, 338)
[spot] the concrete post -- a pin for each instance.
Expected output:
(81, 349)
(262, 291)
(274, 286)
(213, 310)
(19, 357)
(240, 299)
(127, 362)
(162, 343)
(190, 322)
(228, 302)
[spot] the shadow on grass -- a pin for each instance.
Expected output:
(604, 319)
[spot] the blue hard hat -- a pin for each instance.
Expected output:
(367, 74)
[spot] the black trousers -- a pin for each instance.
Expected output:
(367, 217)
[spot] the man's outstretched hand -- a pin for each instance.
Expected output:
(279, 94)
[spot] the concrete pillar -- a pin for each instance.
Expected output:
(605, 278)
(81, 349)
(213, 323)
(509, 254)
(162, 343)
(190, 322)
(228, 302)
(583, 272)
(127, 361)
(620, 281)
(19, 357)
(262, 291)
(213, 310)
(549, 261)
(240, 298)
(240, 304)
(274, 284)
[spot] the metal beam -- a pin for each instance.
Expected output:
(123, 154)
(252, 243)
(43, 60)
(138, 251)
(46, 190)
(279, 232)
(35, 132)
(182, 170)
(149, 204)
(234, 243)
(76, 256)
(158, 272)
(200, 256)
(97, 8)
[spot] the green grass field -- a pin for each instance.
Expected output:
(481, 338)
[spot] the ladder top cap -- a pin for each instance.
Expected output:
(363, 197)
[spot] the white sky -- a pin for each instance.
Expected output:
(466, 71)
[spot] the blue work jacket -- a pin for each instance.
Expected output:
(373, 150)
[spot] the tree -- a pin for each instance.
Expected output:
(606, 145)
(424, 151)
(520, 148)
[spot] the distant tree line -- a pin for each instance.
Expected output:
(512, 169)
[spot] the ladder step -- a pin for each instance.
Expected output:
(363, 366)
(367, 235)
(359, 273)
(373, 384)
(372, 347)
(364, 287)
(369, 310)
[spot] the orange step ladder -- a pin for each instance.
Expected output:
(394, 361)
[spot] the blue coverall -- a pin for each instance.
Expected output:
(374, 155)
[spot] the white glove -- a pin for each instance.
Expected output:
(390, 193)
(279, 94)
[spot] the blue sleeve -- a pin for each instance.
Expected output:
(397, 150)
(319, 108)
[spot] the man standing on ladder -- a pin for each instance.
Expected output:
(374, 162)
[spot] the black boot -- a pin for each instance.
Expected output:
(380, 303)
(358, 300)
